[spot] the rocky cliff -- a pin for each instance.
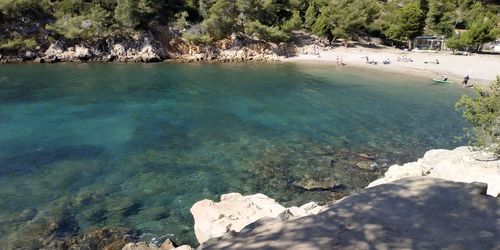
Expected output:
(161, 43)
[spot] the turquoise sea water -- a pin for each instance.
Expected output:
(135, 145)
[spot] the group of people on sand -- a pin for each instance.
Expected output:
(387, 61)
(370, 62)
(435, 62)
(404, 59)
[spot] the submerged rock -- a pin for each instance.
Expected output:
(101, 238)
(43, 229)
(311, 184)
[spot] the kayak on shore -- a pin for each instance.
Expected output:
(442, 81)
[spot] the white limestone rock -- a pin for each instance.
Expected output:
(233, 212)
(460, 165)
(167, 245)
(82, 52)
(140, 246)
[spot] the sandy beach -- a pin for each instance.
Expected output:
(482, 68)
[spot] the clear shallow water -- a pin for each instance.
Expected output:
(136, 145)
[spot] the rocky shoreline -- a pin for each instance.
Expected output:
(236, 218)
(256, 221)
(442, 174)
(162, 44)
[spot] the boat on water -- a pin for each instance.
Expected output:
(442, 81)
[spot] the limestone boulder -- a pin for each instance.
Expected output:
(82, 52)
(140, 246)
(148, 54)
(53, 53)
(235, 212)
(461, 164)
(167, 245)
(410, 213)
(232, 213)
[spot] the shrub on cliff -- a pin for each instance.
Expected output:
(482, 111)
(264, 32)
(18, 44)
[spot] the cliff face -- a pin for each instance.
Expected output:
(161, 43)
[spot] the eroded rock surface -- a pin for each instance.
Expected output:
(167, 245)
(410, 213)
(460, 164)
(235, 211)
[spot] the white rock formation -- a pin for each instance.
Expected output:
(460, 165)
(167, 245)
(235, 211)
(410, 213)
(81, 52)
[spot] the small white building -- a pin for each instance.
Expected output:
(495, 46)
(429, 42)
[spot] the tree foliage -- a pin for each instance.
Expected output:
(441, 17)
(127, 13)
(408, 22)
(482, 111)
(211, 20)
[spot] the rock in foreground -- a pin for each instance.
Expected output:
(460, 164)
(235, 211)
(411, 213)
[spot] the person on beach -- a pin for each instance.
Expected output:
(466, 80)
(437, 62)
(338, 60)
(342, 61)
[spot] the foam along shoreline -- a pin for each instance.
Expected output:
(481, 68)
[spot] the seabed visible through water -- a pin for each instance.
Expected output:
(135, 145)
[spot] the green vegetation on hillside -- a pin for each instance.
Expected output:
(204, 21)
(482, 111)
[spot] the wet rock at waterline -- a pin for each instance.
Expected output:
(58, 229)
(167, 245)
(102, 238)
